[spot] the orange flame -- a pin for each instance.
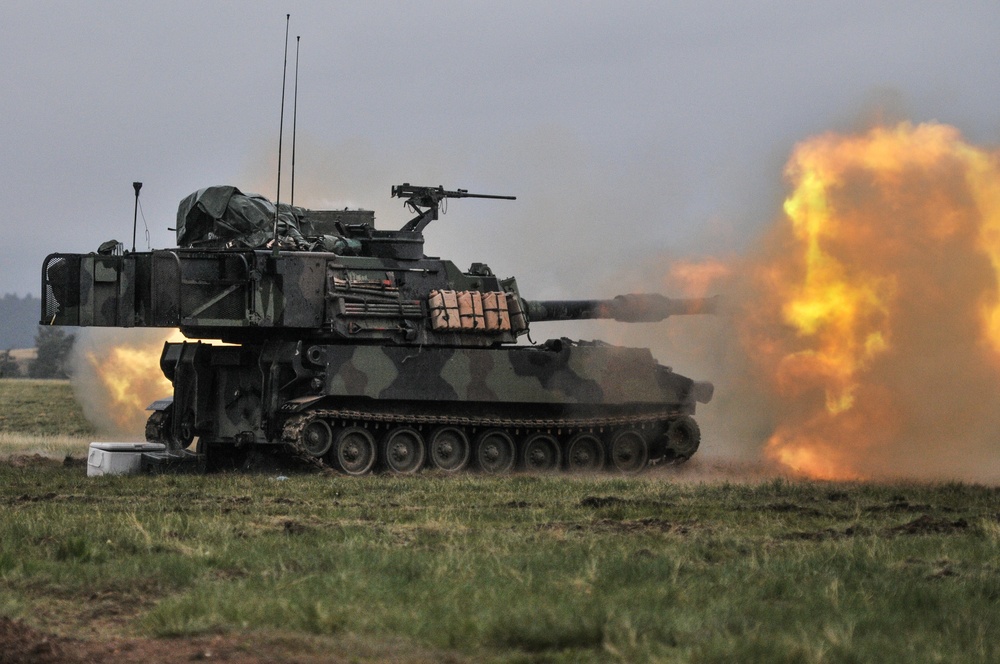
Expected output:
(878, 300)
(119, 376)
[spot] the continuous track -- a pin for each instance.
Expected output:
(356, 441)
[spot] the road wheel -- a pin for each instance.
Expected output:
(495, 451)
(449, 449)
(540, 453)
(403, 451)
(683, 438)
(629, 451)
(316, 438)
(354, 451)
(585, 453)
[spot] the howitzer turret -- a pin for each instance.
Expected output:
(353, 347)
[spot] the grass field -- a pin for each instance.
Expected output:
(43, 408)
(303, 566)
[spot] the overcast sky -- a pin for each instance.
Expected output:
(628, 130)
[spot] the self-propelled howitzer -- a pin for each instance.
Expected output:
(350, 345)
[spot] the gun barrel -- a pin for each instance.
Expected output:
(461, 193)
(632, 308)
(433, 194)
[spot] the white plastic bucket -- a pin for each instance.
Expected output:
(118, 458)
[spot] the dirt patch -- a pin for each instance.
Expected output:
(898, 504)
(929, 525)
(640, 526)
(517, 504)
(934, 570)
(49, 496)
(599, 502)
(22, 644)
(628, 526)
(787, 508)
(31, 461)
(291, 527)
(922, 525)
(826, 534)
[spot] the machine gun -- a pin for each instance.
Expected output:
(430, 198)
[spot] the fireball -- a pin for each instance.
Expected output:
(117, 375)
(878, 308)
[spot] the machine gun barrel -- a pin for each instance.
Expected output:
(431, 194)
(418, 198)
(632, 308)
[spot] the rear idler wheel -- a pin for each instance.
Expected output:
(495, 452)
(403, 451)
(629, 452)
(584, 454)
(449, 449)
(160, 429)
(355, 451)
(317, 438)
(540, 453)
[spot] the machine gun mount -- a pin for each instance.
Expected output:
(430, 198)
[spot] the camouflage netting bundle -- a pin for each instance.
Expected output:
(224, 217)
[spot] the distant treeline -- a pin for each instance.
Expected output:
(18, 321)
(53, 346)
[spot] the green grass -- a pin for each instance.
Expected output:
(40, 408)
(519, 568)
(55, 447)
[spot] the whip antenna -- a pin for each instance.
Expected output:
(295, 115)
(135, 214)
(281, 129)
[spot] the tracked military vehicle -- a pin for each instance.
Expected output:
(350, 346)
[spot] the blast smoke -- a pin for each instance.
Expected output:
(116, 375)
(863, 342)
(861, 336)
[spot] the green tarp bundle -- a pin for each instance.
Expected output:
(223, 216)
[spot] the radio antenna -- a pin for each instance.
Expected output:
(295, 115)
(281, 129)
(135, 214)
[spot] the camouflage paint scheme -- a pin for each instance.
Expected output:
(240, 296)
(223, 391)
(374, 331)
(569, 374)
